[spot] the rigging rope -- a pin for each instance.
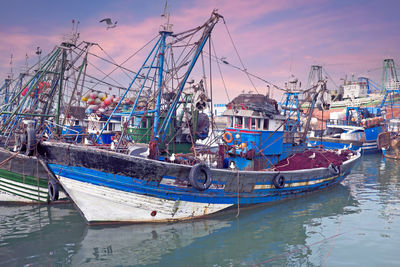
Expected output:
(118, 66)
(220, 73)
(240, 59)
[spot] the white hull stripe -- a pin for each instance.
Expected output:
(117, 206)
(23, 185)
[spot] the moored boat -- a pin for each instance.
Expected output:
(112, 186)
(357, 129)
(136, 189)
(30, 112)
(390, 145)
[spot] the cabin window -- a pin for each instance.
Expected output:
(137, 122)
(246, 122)
(238, 122)
(230, 122)
(266, 124)
(144, 123)
(253, 123)
(258, 123)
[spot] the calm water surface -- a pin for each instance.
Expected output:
(354, 224)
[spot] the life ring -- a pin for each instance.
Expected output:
(195, 173)
(228, 137)
(53, 190)
(31, 143)
(279, 181)
(333, 168)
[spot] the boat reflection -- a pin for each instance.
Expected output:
(38, 234)
(56, 235)
(262, 232)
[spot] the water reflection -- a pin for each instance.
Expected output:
(259, 234)
(377, 181)
(39, 235)
(141, 244)
(280, 234)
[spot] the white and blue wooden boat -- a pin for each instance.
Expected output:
(112, 186)
(359, 129)
(136, 189)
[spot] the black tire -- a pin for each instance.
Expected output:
(31, 142)
(334, 169)
(279, 181)
(188, 139)
(194, 177)
(53, 190)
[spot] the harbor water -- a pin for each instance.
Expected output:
(356, 223)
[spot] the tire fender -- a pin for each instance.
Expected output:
(53, 190)
(334, 169)
(195, 172)
(279, 181)
(31, 141)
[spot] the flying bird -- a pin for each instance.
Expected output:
(109, 23)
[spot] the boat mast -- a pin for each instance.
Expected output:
(60, 84)
(320, 90)
(164, 34)
(209, 25)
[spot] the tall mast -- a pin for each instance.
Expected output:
(60, 84)
(206, 34)
(164, 35)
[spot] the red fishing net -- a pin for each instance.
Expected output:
(313, 158)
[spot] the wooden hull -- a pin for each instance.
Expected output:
(391, 156)
(23, 179)
(112, 187)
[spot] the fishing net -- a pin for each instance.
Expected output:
(314, 158)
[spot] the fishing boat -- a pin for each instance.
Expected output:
(389, 142)
(111, 186)
(358, 128)
(22, 178)
(31, 110)
(253, 119)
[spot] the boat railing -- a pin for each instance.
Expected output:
(49, 128)
(292, 137)
(342, 122)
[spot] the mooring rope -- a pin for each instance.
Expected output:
(238, 194)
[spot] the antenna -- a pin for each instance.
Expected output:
(167, 26)
(26, 69)
(165, 9)
(11, 66)
(39, 53)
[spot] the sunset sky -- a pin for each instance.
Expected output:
(275, 38)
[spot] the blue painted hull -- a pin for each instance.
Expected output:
(215, 194)
(112, 187)
(366, 148)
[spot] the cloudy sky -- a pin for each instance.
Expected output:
(275, 38)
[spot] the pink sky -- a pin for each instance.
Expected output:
(274, 38)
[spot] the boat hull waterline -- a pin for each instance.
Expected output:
(160, 191)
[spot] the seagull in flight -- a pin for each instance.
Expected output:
(109, 23)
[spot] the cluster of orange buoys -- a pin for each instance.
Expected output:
(41, 86)
(99, 102)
